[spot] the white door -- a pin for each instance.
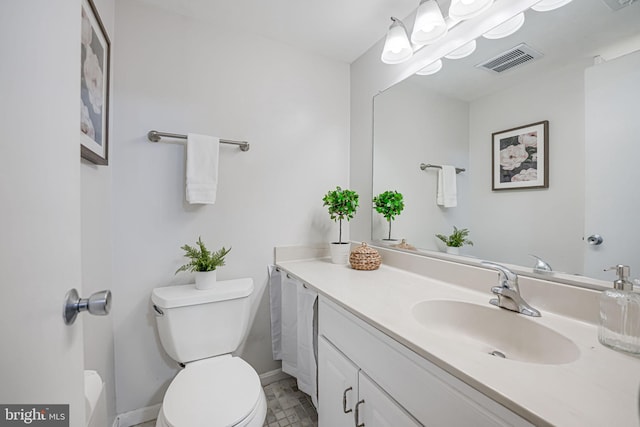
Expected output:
(337, 386)
(612, 135)
(377, 409)
(41, 359)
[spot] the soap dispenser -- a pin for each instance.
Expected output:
(620, 314)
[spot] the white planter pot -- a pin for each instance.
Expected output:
(205, 279)
(453, 250)
(340, 253)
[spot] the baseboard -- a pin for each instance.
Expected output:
(273, 376)
(137, 416)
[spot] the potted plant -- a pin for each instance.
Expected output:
(455, 240)
(342, 204)
(203, 263)
(389, 204)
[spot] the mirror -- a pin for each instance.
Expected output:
(448, 119)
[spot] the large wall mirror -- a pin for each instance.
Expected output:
(586, 84)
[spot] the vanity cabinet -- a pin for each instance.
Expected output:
(347, 397)
(399, 387)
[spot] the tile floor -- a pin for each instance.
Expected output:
(286, 406)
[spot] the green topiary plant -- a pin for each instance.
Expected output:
(201, 258)
(389, 204)
(342, 204)
(457, 239)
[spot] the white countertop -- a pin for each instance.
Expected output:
(600, 388)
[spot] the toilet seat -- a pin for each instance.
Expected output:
(221, 391)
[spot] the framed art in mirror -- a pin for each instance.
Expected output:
(520, 157)
(94, 87)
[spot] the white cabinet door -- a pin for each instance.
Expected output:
(337, 386)
(377, 409)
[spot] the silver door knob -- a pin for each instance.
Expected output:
(595, 239)
(98, 304)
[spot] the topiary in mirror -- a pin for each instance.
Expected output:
(342, 204)
(389, 204)
(456, 239)
(201, 258)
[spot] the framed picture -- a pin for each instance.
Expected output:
(520, 157)
(94, 87)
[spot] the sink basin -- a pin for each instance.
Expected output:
(495, 331)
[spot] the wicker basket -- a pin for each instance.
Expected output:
(365, 258)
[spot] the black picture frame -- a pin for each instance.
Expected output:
(95, 57)
(520, 157)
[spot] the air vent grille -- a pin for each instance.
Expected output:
(514, 57)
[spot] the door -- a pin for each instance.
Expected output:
(612, 151)
(41, 360)
(377, 409)
(337, 386)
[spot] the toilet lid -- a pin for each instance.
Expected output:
(221, 391)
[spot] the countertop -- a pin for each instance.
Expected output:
(600, 388)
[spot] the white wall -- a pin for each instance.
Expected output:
(96, 246)
(549, 221)
(414, 126)
(179, 75)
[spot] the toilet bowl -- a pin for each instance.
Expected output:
(221, 391)
(201, 328)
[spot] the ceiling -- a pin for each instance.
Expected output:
(339, 29)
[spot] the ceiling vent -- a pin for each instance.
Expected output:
(514, 57)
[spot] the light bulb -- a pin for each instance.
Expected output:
(431, 68)
(506, 28)
(397, 48)
(547, 5)
(466, 9)
(429, 25)
(463, 51)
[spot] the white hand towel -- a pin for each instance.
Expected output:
(202, 168)
(447, 193)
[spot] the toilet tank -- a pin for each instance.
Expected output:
(196, 324)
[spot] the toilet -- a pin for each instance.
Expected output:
(200, 329)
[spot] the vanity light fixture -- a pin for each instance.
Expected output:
(547, 5)
(431, 68)
(397, 48)
(463, 51)
(429, 24)
(506, 28)
(466, 9)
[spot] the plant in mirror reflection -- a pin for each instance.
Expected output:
(456, 239)
(389, 204)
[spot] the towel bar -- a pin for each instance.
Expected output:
(423, 166)
(155, 136)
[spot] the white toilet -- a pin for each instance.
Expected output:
(201, 328)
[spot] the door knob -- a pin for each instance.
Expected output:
(595, 239)
(98, 304)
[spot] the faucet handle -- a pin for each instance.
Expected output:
(541, 265)
(505, 274)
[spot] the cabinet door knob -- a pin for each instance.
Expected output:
(344, 401)
(357, 414)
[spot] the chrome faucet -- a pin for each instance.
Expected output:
(541, 265)
(508, 291)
